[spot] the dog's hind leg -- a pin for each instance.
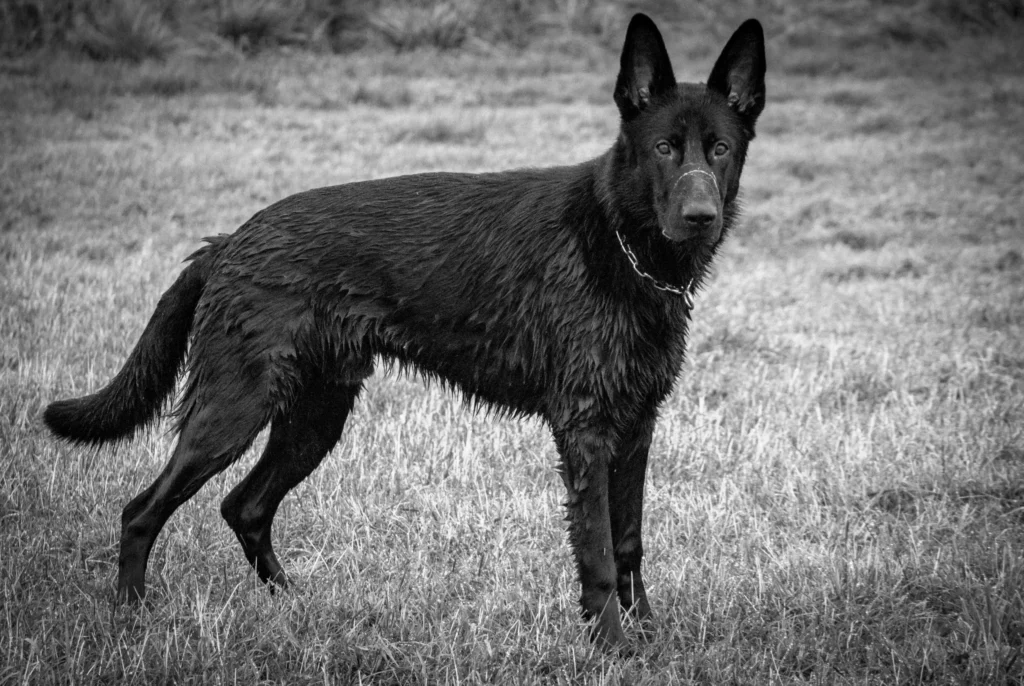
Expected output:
(625, 506)
(213, 435)
(299, 440)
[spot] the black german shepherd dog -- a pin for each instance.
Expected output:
(563, 292)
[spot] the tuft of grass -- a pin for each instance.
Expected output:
(166, 81)
(502, 22)
(850, 99)
(1010, 261)
(857, 389)
(406, 27)
(253, 24)
(121, 30)
(596, 18)
(978, 16)
(22, 27)
(905, 268)
(442, 132)
(859, 240)
(880, 124)
(385, 96)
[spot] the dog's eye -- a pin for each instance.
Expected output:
(663, 148)
(721, 149)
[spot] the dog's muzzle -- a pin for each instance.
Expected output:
(697, 196)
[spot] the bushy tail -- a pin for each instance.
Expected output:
(133, 398)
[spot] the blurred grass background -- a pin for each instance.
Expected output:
(836, 491)
(837, 34)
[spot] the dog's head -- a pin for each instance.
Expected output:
(684, 144)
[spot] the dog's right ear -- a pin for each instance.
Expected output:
(645, 71)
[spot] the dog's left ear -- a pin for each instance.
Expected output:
(739, 71)
(645, 71)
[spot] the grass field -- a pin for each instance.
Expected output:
(836, 493)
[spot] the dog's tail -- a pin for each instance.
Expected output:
(135, 395)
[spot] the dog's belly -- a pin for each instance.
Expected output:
(501, 368)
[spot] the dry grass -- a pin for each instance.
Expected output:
(837, 492)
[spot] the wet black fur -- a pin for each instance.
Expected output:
(510, 287)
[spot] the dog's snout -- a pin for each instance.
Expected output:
(697, 212)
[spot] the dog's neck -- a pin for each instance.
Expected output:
(683, 290)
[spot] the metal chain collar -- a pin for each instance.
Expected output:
(686, 291)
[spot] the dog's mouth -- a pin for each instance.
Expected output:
(698, 236)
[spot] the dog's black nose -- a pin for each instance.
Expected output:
(700, 216)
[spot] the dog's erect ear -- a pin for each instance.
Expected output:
(739, 71)
(645, 71)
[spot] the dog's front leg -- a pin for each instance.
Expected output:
(626, 503)
(586, 455)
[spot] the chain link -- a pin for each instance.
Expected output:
(686, 291)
